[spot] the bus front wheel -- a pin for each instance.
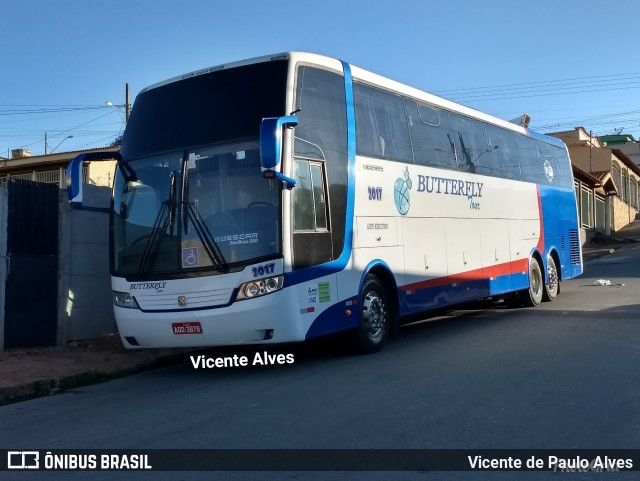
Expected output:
(533, 296)
(375, 318)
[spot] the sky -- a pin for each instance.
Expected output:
(566, 63)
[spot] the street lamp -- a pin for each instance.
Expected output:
(67, 137)
(117, 108)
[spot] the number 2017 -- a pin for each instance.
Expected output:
(263, 270)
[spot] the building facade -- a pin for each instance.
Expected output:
(625, 143)
(618, 174)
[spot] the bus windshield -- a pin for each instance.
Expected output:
(188, 196)
(197, 210)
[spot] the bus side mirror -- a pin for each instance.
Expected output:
(73, 179)
(73, 175)
(271, 147)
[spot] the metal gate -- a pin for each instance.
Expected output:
(32, 270)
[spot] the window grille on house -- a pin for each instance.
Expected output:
(625, 187)
(48, 176)
(600, 215)
(633, 193)
(617, 177)
(586, 198)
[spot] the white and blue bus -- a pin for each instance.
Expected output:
(289, 197)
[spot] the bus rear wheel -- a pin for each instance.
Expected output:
(533, 296)
(375, 318)
(552, 287)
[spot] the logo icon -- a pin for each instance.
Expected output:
(548, 170)
(23, 460)
(401, 194)
(189, 257)
(182, 301)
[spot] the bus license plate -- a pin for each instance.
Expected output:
(186, 328)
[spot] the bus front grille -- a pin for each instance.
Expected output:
(188, 300)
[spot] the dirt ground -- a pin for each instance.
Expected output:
(38, 371)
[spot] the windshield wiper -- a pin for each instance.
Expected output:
(210, 245)
(160, 223)
(208, 242)
(173, 203)
(158, 229)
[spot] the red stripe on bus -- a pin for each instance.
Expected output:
(541, 239)
(520, 266)
(508, 268)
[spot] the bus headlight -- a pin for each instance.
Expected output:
(124, 299)
(260, 287)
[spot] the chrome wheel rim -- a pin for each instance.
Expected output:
(535, 281)
(373, 315)
(553, 277)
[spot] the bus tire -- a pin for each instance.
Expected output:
(552, 286)
(375, 317)
(532, 296)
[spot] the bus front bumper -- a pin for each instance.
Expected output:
(269, 319)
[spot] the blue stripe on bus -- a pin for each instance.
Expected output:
(334, 319)
(445, 296)
(303, 275)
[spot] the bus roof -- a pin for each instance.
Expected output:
(373, 79)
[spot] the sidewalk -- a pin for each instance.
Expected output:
(34, 372)
(609, 244)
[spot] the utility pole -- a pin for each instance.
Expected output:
(46, 145)
(590, 150)
(127, 106)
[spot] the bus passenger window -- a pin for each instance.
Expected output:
(562, 175)
(504, 152)
(532, 164)
(471, 145)
(381, 124)
(430, 135)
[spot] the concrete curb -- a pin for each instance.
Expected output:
(49, 386)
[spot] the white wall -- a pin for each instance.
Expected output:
(85, 309)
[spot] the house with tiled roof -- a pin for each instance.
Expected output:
(594, 191)
(614, 170)
(626, 143)
(51, 168)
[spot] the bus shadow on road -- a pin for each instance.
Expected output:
(341, 345)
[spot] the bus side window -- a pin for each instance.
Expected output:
(320, 138)
(563, 174)
(381, 125)
(309, 197)
(505, 156)
(430, 135)
(321, 130)
(531, 163)
(471, 144)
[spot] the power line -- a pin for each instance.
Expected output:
(520, 84)
(47, 110)
(480, 98)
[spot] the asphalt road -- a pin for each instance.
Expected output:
(560, 376)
